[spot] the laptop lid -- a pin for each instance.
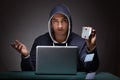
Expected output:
(56, 59)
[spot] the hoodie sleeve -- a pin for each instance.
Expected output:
(89, 66)
(28, 64)
(83, 65)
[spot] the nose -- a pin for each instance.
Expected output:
(60, 25)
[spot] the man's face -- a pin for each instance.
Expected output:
(59, 24)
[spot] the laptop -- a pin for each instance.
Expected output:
(56, 60)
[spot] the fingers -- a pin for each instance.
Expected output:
(18, 42)
(17, 45)
(20, 47)
(93, 32)
(92, 35)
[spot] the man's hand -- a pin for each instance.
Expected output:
(20, 47)
(91, 42)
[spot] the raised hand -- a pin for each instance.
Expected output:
(91, 42)
(20, 47)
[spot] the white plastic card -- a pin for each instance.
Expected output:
(90, 76)
(86, 31)
(89, 57)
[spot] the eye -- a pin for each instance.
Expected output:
(54, 21)
(65, 20)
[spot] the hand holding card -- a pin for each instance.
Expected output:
(86, 31)
(89, 34)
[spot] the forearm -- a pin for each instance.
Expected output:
(26, 64)
(92, 65)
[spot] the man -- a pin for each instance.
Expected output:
(60, 34)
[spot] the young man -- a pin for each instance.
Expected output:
(60, 34)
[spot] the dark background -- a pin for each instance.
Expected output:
(26, 19)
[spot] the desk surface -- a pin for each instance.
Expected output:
(32, 75)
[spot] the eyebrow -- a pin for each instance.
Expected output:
(64, 17)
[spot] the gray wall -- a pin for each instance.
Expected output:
(26, 19)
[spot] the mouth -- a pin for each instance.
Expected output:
(60, 29)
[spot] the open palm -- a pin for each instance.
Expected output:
(20, 47)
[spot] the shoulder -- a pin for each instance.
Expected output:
(75, 36)
(43, 38)
(76, 39)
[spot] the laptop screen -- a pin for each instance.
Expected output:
(56, 59)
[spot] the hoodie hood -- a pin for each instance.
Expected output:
(62, 9)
